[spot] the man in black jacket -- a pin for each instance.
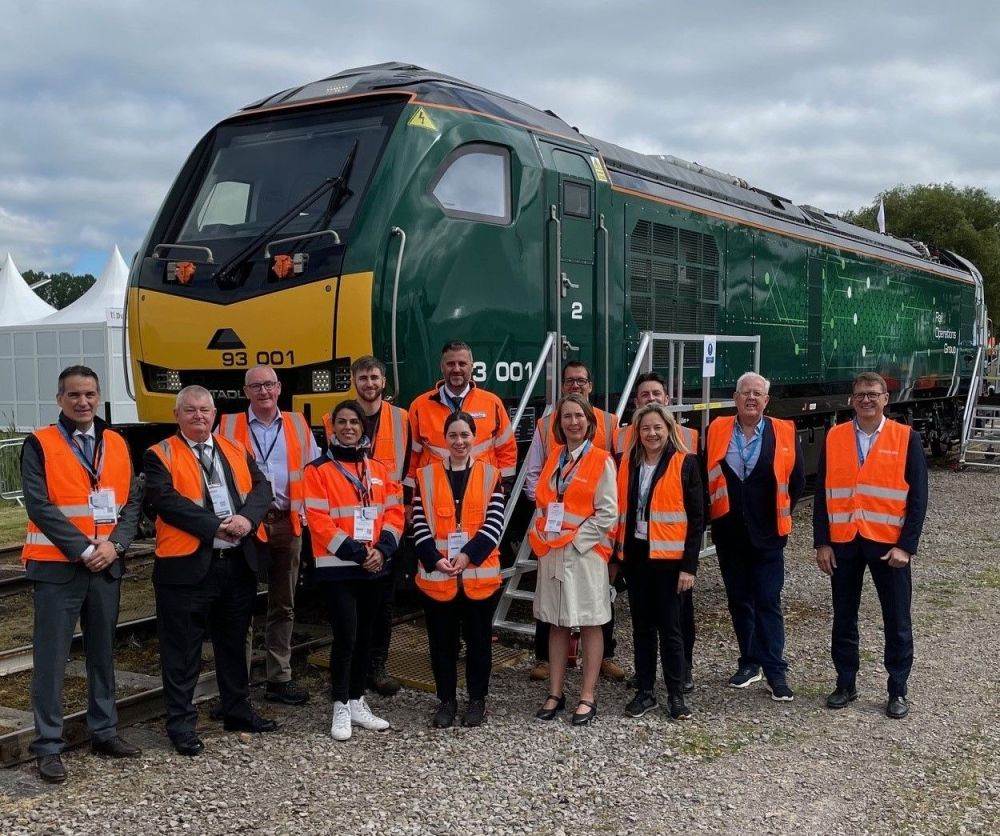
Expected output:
(209, 499)
(755, 477)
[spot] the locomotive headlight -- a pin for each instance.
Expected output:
(322, 381)
(166, 380)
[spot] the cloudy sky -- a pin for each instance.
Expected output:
(824, 103)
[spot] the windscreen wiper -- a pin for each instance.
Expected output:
(340, 193)
(226, 276)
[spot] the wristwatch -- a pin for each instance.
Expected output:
(119, 549)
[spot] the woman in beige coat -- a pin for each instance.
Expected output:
(576, 509)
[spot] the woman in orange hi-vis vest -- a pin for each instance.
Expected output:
(661, 518)
(355, 516)
(576, 503)
(457, 520)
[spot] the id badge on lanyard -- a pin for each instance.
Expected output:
(364, 523)
(220, 501)
(554, 515)
(103, 506)
(641, 529)
(456, 542)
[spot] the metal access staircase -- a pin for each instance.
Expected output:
(981, 421)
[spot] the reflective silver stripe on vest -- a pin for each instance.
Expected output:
(666, 545)
(304, 434)
(715, 472)
(668, 517)
(434, 576)
(482, 573)
(478, 449)
(783, 488)
(442, 452)
(504, 437)
(318, 504)
(330, 561)
(394, 531)
(398, 442)
(882, 493)
(839, 493)
(74, 510)
(720, 494)
(885, 519)
(573, 519)
(784, 512)
(392, 500)
(336, 542)
(168, 451)
(841, 518)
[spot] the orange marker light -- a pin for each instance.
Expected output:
(283, 266)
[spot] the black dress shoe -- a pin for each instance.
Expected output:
(444, 717)
(897, 708)
(254, 723)
(381, 682)
(475, 713)
(841, 697)
(688, 685)
(584, 718)
(189, 745)
(51, 769)
(544, 713)
(115, 747)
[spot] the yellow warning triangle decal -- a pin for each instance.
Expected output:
(420, 119)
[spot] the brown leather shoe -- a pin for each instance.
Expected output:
(610, 669)
(540, 672)
(51, 769)
(115, 747)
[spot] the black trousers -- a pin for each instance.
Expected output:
(895, 590)
(472, 621)
(221, 606)
(687, 626)
(656, 620)
(352, 607)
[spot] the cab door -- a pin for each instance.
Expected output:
(571, 247)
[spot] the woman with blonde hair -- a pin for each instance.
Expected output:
(576, 508)
(661, 519)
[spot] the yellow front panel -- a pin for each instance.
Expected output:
(297, 324)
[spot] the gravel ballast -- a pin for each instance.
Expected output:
(742, 764)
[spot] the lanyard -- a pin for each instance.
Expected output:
(645, 486)
(564, 477)
(451, 484)
(362, 485)
(259, 446)
(93, 468)
(746, 448)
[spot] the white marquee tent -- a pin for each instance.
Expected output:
(89, 332)
(18, 302)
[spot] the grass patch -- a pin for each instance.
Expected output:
(12, 522)
(990, 579)
(707, 746)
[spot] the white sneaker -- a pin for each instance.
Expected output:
(340, 729)
(361, 715)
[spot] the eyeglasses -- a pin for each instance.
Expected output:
(753, 393)
(576, 381)
(867, 396)
(267, 385)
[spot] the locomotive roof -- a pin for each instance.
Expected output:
(436, 88)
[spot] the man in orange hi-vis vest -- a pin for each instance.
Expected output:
(209, 498)
(871, 498)
(83, 510)
(755, 477)
(282, 444)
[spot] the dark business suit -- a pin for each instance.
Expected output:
(208, 591)
(64, 592)
(894, 586)
(752, 557)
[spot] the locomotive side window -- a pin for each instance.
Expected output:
(576, 199)
(474, 184)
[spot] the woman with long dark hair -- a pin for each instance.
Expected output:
(355, 516)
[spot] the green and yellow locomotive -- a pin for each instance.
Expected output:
(388, 208)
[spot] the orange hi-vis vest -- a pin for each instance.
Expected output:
(720, 433)
(624, 436)
(494, 443)
(188, 480)
(667, 516)
(389, 444)
(604, 432)
(331, 501)
(236, 427)
(868, 499)
(70, 485)
(481, 581)
(578, 501)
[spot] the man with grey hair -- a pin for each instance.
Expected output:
(755, 477)
(209, 498)
(282, 444)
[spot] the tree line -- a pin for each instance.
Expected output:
(63, 289)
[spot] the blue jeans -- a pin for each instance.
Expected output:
(754, 579)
